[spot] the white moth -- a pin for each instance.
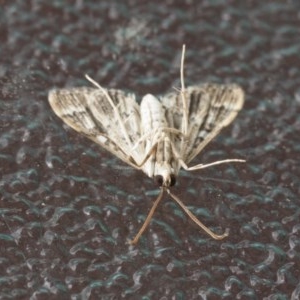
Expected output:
(159, 136)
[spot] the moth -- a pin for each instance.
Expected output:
(160, 136)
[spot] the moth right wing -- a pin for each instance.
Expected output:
(113, 123)
(209, 108)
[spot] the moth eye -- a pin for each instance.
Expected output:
(173, 180)
(159, 180)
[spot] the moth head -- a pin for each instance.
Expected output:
(165, 181)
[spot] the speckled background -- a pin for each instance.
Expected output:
(68, 207)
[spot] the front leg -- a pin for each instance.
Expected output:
(201, 166)
(150, 152)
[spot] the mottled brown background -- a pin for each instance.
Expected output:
(68, 207)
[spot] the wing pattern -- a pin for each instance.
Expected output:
(209, 108)
(114, 124)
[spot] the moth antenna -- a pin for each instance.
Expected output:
(93, 81)
(178, 90)
(181, 68)
(194, 218)
(148, 219)
(101, 88)
(184, 105)
(104, 91)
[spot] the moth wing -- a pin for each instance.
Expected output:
(209, 108)
(112, 123)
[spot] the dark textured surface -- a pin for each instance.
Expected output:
(68, 207)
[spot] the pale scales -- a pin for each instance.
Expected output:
(157, 136)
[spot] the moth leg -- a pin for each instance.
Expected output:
(148, 219)
(178, 157)
(143, 138)
(150, 152)
(154, 147)
(203, 166)
(194, 218)
(156, 133)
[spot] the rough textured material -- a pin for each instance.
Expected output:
(67, 207)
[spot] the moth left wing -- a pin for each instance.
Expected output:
(208, 108)
(113, 123)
